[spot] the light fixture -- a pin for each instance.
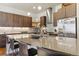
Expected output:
(28, 13)
(34, 7)
(39, 7)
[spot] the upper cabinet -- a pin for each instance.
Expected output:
(55, 18)
(14, 20)
(43, 21)
(21, 19)
(71, 10)
(58, 15)
(61, 13)
(27, 22)
(6, 19)
(9, 20)
(64, 12)
(30, 21)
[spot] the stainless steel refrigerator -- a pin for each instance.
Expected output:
(67, 27)
(67, 35)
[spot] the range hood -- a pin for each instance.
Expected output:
(49, 21)
(49, 16)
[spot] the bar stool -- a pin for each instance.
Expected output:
(14, 46)
(23, 49)
(32, 52)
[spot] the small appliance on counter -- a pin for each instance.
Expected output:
(55, 30)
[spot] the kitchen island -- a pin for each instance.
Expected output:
(43, 44)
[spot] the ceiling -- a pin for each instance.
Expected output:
(28, 7)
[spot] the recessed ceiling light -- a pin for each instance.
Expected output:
(34, 7)
(39, 7)
(28, 13)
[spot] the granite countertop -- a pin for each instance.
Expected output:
(26, 38)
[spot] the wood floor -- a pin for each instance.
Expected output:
(2, 51)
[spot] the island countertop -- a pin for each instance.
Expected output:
(47, 41)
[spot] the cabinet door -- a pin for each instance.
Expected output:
(6, 19)
(2, 41)
(15, 20)
(71, 10)
(3, 19)
(30, 21)
(10, 19)
(61, 13)
(27, 21)
(20, 18)
(43, 20)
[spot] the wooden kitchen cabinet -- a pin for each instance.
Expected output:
(65, 12)
(10, 20)
(71, 10)
(27, 21)
(3, 41)
(6, 19)
(58, 15)
(61, 13)
(14, 20)
(42, 21)
(21, 19)
(55, 18)
(3, 19)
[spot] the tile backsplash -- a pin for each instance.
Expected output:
(8, 30)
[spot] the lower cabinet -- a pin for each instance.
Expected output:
(67, 45)
(2, 41)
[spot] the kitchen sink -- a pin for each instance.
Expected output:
(35, 36)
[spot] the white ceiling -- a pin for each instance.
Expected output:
(28, 7)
